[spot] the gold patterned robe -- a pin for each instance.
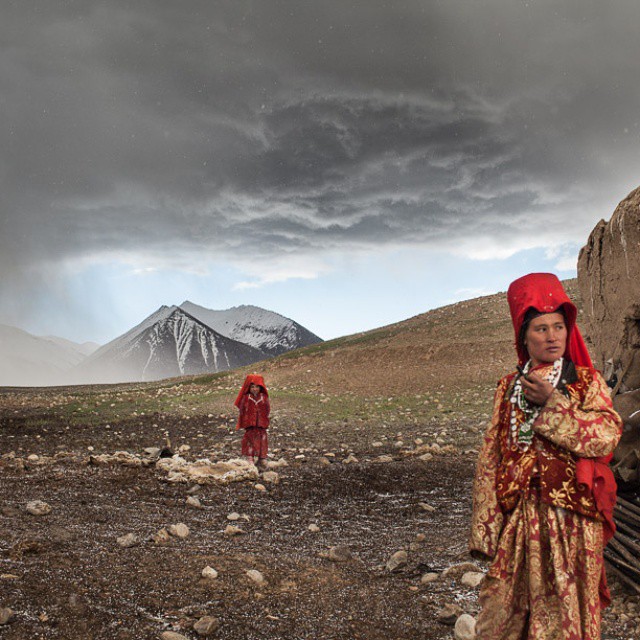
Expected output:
(539, 527)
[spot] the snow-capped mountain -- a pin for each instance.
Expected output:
(270, 332)
(190, 339)
(28, 360)
(168, 343)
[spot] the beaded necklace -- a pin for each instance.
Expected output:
(522, 427)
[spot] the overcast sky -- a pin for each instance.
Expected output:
(347, 164)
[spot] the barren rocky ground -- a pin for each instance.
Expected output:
(374, 440)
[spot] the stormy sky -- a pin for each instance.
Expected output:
(344, 163)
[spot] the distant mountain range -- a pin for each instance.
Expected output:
(173, 341)
(28, 360)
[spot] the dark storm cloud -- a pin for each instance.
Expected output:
(172, 128)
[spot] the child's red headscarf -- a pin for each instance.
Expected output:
(248, 381)
(545, 293)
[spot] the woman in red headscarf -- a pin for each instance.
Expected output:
(253, 403)
(543, 493)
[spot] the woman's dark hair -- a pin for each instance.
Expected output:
(529, 315)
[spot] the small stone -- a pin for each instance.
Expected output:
(425, 457)
(384, 458)
(255, 576)
(271, 477)
(260, 487)
(456, 570)
(465, 627)
(209, 573)
(194, 502)
(472, 578)
(377, 444)
(161, 537)
(421, 537)
(350, 460)
(429, 577)
(426, 507)
(233, 516)
(397, 561)
(38, 508)
(314, 528)
(6, 615)
(449, 614)
(172, 635)
(33, 458)
(206, 626)
(179, 530)
(128, 540)
(232, 530)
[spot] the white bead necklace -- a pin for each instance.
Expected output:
(522, 429)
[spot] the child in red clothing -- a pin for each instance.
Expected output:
(253, 403)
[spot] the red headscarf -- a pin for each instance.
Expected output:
(545, 293)
(248, 381)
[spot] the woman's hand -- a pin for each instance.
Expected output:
(536, 390)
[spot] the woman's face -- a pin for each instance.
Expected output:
(546, 338)
(254, 389)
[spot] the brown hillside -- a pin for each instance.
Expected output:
(459, 346)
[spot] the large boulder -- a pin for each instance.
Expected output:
(609, 283)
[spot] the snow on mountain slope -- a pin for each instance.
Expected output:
(26, 360)
(266, 330)
(168, 343)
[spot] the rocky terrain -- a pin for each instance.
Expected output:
(357, 530)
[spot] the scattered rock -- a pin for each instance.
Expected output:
(449, 614)
(429, 577)
(128, 540)
(172, 635)
(397, 561)
(456, 570)
(271, 477)
(209, 573)
(233, 516)
(232, 530)
(206, 626)
(6, 615)
(465, 627)
(426, 507)
(351, 459)
(38, 508)
(472, 578)
(255, 576)
(194, 502)
(314, 528)
(179, 530)
(384, 458)
(161, 537)
(276, 464)
(260, 487)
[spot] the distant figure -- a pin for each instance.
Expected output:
(253, 403)
(543, 496)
